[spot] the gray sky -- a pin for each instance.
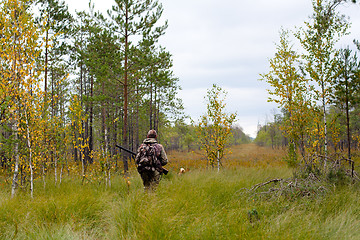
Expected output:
(229, 43)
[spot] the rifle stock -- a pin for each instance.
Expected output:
(164, 170)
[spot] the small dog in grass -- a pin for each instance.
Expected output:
(181, 171)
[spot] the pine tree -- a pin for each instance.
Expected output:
(345, 87)
(133, 18)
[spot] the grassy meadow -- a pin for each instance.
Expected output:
(201, 204)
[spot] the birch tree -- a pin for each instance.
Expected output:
(290, 91)
(19, 50)
(318, 39)
(214, 127)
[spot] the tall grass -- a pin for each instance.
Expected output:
(201, 204)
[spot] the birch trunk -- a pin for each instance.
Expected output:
(55, 166)
(218, 160)
(17, 161)
(30, 155)
(61, 173)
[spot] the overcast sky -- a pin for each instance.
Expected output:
(229, 43)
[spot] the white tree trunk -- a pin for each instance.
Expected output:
(109, 176)
(218, 160)
(17, 161)
(30, 156)
(55, 166)
(43, 175)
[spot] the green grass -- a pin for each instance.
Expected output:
(202, 204)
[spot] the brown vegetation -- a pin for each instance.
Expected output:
(245, 155)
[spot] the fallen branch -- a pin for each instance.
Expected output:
(263, 184)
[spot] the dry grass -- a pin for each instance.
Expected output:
(245, 155)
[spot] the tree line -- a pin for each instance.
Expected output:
(316, 86)
(74, 85)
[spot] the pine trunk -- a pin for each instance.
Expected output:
(125, 123)
(348, 118)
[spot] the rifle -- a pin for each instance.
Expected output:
(126, 150)
(164, 170)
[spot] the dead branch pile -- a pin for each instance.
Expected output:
(289, 188)
(310, 178)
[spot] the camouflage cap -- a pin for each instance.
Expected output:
(151, 134)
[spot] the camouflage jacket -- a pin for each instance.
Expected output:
(160, 152)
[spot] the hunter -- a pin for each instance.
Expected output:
(150, 158)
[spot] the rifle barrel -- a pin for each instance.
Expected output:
(126, 150)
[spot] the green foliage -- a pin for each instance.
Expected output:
(238, 136)
(291, 158)
(347, 82)
(184, 137)
(262, 138)
(179, 136)
(338, 177)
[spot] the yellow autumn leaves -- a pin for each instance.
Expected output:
(214, 128)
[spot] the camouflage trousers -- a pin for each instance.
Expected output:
(150, 180)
